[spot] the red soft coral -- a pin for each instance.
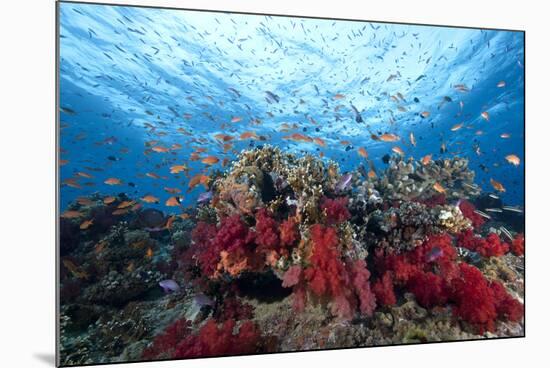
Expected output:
(429, 289)
(383, 289)
(336, 210)
(491, 246)
(473, 298)
(518, 245)
(508, 308)
(468, 210)
(218, 340)
(164, 344)
(267, 236)
(289, 232)
(328, 277)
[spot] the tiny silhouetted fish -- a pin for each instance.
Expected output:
(272, 96)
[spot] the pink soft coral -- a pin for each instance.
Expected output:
(336, 210)
(383, 290)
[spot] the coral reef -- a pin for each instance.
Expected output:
(289, 254)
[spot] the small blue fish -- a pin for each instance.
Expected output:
(169, 286)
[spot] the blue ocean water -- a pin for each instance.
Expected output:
(132, 79)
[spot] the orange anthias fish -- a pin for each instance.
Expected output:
(339, 96)
(236, 119)
(247, 135)
(210, 160)
(398, 150)
(485, 115)
(86, 224)
(223, 137)
(176, 169)
(69, 265)
(149, 253)
(160, 149)
(413, 139)
(121, 211)
(84, 175)
(72, 214)
(371, 174)
(513, 159)
(172, 202)
(297, 137)
(363, 152)
(425, 114)
(501, 84)
(438, 188)
(126, 204)
(426, 160)
(388, 137)
(109, 200)
(113, 181)
(150, 199)
(319, 141)
(199, 179)
(83, 201)
(456, 127)
(498, 186)
(172, 190)
(152, 175)
(505, 135)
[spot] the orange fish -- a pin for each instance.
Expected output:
(176, 146)
(413, 139)
(99, 247)
(176, 169)
(425, 114)
(172, 190)
(121, 211)
(438, 188)
(339, 96)
(371, 174)
(513, 159)
(85, 201)
(320, 142)
(236, 119)
(160, 149)
(501, 84)
(172, 202)
(498, 186)
(63, 162)
(84, 175)
(247, 135)
(130, 267)
(345, 143)
(152, 175)
(388, 137)
(149, 253)
(426, 160)
(72, 214)
(461, 88)
(86, 224)
(223, 137)
(199, 179)
(505, 135)
(456, 127)
(113, 181)
(398, 150)
(74, 269)
(485, 115)
(109, 200)
(363, 152)
(126, 204)
(297, 137)
(479, 132)
(210, 160)
(150, 199)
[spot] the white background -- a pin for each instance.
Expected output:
(27, 142)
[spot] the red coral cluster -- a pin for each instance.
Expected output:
(431, 272)
(491, 246)
(213, 339)
(518, 245)
(336, 210)
(344, 283)
(384, 291)
(468, 210)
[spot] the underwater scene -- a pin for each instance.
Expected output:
(237, 184)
